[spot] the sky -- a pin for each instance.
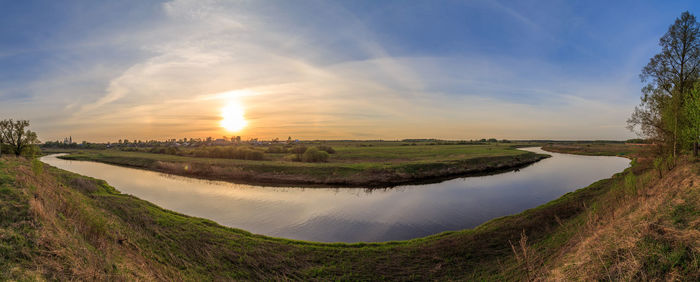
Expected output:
(107, 70)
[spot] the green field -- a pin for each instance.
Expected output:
(358, 164)
(58, 225)
(599, 149)
(62, 225)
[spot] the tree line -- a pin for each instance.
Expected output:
(669, 112)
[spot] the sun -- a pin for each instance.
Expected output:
(232, 117)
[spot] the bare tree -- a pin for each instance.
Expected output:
(15, 134)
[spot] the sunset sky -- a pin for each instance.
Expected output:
(108, 70)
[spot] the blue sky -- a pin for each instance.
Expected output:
(101, 70)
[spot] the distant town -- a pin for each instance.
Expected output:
(184, 142)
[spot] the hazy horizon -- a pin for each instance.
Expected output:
(350, 70)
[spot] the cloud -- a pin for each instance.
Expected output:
(294, 81)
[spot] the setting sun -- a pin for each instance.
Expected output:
(233, 117)
(353, 140)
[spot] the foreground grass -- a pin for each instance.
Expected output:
(644, 229)
(61, 225)
(374, 166)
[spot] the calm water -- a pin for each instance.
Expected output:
(355, 214)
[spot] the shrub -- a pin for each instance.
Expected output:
(276, 150)
(299, 150)
(31, 151)
(291, 158)
(670, 162)
(218, 152)
(172, 151)
(164, 150)
(327, 149)
(658, 165)
(253, 155)
(314, 155)
(228, 153)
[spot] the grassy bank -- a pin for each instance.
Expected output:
(599, 149)
(351, 166)
(59, 225)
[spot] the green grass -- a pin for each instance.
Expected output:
(182, 247)
(375, 166)
(80, 228)
(17, 226)
(598, 149)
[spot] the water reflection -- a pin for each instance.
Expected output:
(351, 214)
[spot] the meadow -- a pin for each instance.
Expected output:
(353, 164)
(60, 225)
(599, 148)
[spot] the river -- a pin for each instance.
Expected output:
(356, 214)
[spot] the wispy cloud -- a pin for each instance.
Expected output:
(335, 78)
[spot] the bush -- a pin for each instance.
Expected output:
(276, 150)
(31, 151)
(164, 150)
(327, 149)
(658, 165)
(228, 153)
(314, 155)
(253, 155)
(5, 149)
(299, 151)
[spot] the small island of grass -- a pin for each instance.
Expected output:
(349, 164)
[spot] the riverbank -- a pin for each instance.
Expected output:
(599, 149)
(60, 225)
(369, 167)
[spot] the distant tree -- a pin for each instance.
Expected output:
(15, 134)
(670, 75)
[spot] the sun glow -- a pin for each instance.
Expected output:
(233, 118)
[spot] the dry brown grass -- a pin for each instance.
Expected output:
(614, 243)
(75, 240)
(526, 256)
